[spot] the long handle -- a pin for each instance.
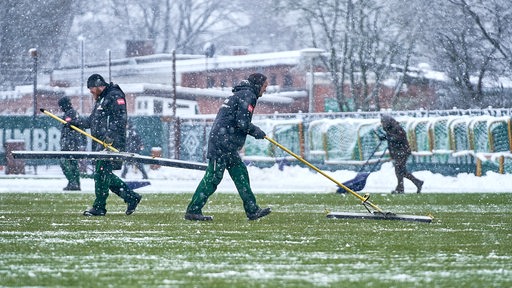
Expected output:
(79, 130)
(363, 199)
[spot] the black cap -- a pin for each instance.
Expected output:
(257, 79)
(64, 102)
(96, 80)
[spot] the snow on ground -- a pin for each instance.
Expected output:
(292, 179)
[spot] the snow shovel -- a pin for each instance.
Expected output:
(137, 184)
(359, 182)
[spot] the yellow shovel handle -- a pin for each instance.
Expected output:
(363, 199)
(79, 130)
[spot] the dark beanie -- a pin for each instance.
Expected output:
(257, 79)
(64, 102)
(96, 80)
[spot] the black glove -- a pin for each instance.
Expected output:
(108, 141)
(259, 134)
(381, 136)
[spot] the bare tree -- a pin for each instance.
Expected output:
(463, 52)
(28, 24)
(494, 21)
(364, 39)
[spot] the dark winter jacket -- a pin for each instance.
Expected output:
(134, 142)
(233, 123)
(70, 140)
(108, 118)
(396, 138)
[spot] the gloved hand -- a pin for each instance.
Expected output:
(381, 136)
(67, 125)
(259, 134)
(108, 141)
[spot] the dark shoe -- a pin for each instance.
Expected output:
(95, 212)
(419, 186)
(259, 213)
(72, 187)
(197, 217)
(133, 205)
(397, 192)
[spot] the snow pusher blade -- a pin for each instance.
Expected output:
(379, 216)
(377, 213)
(108, 155)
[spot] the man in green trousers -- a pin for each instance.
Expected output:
(227, 137)
(107, 122)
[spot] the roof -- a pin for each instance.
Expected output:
(157, 69)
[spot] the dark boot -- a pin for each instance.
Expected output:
(197, 217)
(95, 212)
(72, 187)
(132, 205)
(419, 185)
(259, 213)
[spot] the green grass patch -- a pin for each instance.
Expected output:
(44, 241)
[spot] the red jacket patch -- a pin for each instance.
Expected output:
(121, 101)
(250, 108)
(68, 119)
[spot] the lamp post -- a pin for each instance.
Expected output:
(81, 39)
(309, 54)
(33, 53)
(209, 51)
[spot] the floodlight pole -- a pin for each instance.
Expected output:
(33, 54)
(81, 39)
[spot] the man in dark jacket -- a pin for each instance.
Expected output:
(70, 140)
(227, 137)
(108, 123)
(399, 151)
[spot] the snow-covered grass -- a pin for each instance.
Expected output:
(292, 179)
(44, 241)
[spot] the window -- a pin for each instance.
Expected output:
(158, 107)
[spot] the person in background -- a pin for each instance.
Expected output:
(399, 151)
(227, 137)
(70, 140)
(107, 122)
(134, 145)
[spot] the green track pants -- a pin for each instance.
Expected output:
(212, 178)
(71, 171)
(105, 180)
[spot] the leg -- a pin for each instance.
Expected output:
(140, 166)
(64, 167)
(122, 190)
(101, 184)
(417, 182)
(207, 186)
(119, 187)
(240, 176)
(400, 171)
(75, 175)
(125, 170)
